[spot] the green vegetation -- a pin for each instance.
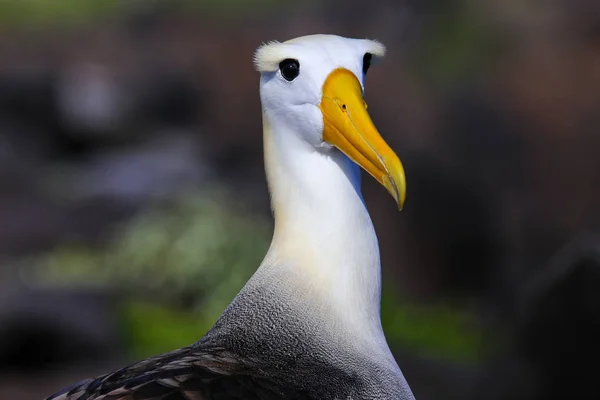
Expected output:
(39, 13)
(436, 330)
(36, 12)
(178, 266)
(151, 328)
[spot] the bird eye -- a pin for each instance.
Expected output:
(289, 68)
(366, 62)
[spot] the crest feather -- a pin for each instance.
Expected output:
(268, 56)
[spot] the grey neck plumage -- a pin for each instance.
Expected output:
(270, 331)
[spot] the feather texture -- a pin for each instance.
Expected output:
(185, 374)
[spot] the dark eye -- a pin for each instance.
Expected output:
(289, 69)
(367, 62)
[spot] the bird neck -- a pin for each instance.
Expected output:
(310, 313)
(324, 238)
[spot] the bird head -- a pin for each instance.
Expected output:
(316, 84)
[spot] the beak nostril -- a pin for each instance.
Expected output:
(343, 106)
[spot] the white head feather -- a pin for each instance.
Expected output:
(295, 103)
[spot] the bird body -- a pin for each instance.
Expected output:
(307, 324)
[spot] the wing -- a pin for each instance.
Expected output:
(185, 374)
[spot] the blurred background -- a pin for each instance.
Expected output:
(133, 203)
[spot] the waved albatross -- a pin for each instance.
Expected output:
(307, 324)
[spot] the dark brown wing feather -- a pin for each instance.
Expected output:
(185, 374)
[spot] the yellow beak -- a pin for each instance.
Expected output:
(348, 126)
